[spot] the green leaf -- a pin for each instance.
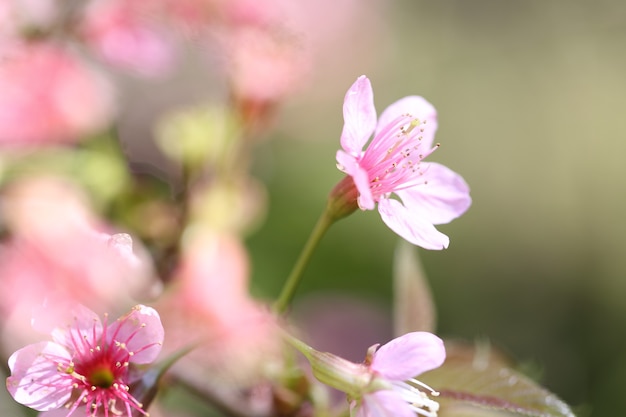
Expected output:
(414, 309)
(476, 382)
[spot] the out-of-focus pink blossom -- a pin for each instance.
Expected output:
(265, 65)
(131, 35)
(209, 305)
(49, 95)
(391, 164)
(58, 247)
(88, 363)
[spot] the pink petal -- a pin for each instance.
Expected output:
(385, 403)
(409, 355)
(69, 323)
(417, 107)
(413, 228)
(350, 166)
(35, 380)
(444, 198)
(359, 116)
(141, 331)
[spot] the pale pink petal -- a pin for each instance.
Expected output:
(442, 199)
(69, 323)
(35, 380)
(417, 107)
(350, 166)
(141, 332)
(385, 403)
(409, 355)
(359, 116)
(413, 228)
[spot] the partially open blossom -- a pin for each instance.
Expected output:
(392, 164)
(88, 364)
(385, 384)
(57, 246)
(49, 95)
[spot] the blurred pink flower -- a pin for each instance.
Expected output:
(392, 163)
(398, 363)
(265, 64)
(131, 35)
(88, 362)
(50, 95)
(209, 305)
(58, 247)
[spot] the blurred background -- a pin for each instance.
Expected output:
(531, 98)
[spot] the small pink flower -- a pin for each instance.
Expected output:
(429, 193)
(385, 385)
(397, 364)
(88, 364)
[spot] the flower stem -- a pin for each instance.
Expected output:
(294, 278)
(342, 201)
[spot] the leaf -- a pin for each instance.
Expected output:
(414, 309)
(476, 382)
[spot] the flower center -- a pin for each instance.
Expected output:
(101, 377)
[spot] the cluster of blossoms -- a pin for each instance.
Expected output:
(72, 194)
(95, 364)
(78, 45)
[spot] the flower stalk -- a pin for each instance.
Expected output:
(342, 202)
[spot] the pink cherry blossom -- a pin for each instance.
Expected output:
(49, 95)
(392, 164)
(57, 245)
(89, 363)
(397, 364)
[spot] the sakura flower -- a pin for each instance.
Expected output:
(89, 363)
(57, 245)
(398, 363)
(428, 193)
(385, 384)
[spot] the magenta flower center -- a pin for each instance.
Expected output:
(393, 157)
(99, 371)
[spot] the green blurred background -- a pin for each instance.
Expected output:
(531, 97)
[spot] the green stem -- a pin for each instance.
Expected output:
(289, 289)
